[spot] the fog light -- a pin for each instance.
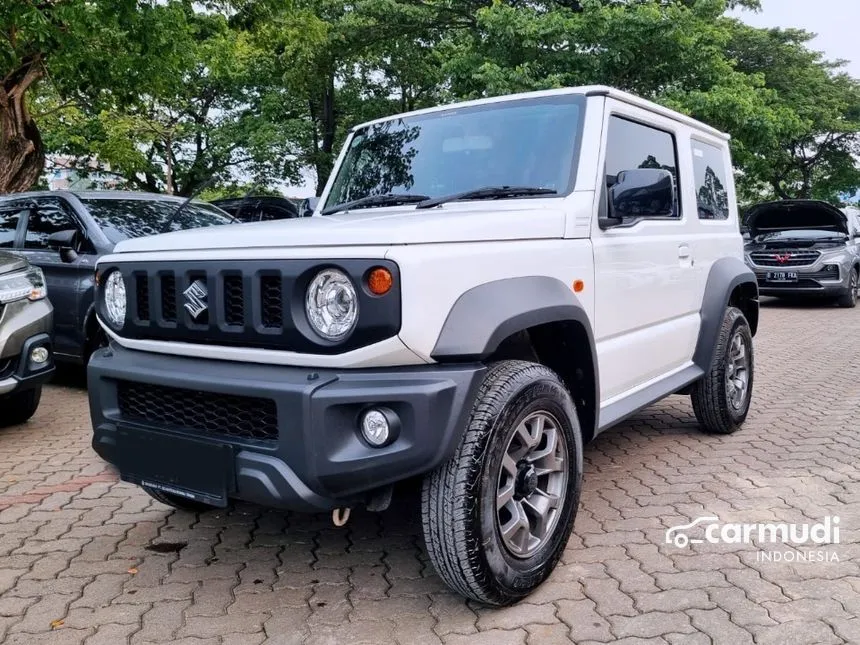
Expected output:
(379, 427)
(39, 355)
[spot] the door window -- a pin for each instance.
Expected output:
(712, 198)
(10, 215)
(51, 216)
(631, 145)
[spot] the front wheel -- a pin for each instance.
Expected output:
(849, 298)
(721, 399)
(497, 516)
(19, 407)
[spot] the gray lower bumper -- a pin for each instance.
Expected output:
(318, 460)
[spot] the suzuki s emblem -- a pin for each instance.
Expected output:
(782, 259)
(195, 298)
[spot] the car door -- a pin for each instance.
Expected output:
(67, 274)
(646, 305)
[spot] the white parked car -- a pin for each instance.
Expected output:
(484, 288)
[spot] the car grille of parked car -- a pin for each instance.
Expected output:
(245, 303)
(211, 413)
(786, 258)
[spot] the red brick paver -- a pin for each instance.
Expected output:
(77, 563)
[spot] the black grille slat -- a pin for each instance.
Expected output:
(142, 297)
(211, 413)
(168, 298)
(272, 301)
(234, 300)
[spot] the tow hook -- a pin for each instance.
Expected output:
(340, 516)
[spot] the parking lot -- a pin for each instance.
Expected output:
(87, 559)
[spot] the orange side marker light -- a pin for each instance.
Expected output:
(578, 286)
(380, 281)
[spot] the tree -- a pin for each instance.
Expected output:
(88, 51)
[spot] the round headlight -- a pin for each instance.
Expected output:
(332, 304)
(115, 299)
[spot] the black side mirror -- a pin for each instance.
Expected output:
(66, 242)
(640, 193)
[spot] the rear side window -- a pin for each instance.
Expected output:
(712, 197)
(51, 216)
(631, 145)
(10, 215)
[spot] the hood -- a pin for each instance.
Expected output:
(10, 262)
(526, 219)
(795, 215)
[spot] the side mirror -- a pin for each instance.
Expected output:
(309, 206)
(640, 193)
(66, 242)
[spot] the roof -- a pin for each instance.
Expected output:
(96, 194)
(586, 90)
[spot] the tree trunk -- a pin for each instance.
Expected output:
(325, 160)
(22, 155)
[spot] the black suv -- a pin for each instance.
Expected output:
(64, 233)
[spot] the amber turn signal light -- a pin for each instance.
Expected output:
(578, 286)
(379, 281)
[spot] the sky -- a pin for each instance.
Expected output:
(835, 21)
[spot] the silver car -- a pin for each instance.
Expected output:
(804, 248)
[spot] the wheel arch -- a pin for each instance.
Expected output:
(731, 283)
(538, 319)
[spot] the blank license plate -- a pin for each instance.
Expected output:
(198, 470)
(782, 276)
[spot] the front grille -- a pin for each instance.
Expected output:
(246, 303)
(784, 258)
(225, 415)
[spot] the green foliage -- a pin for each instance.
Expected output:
(174, 95)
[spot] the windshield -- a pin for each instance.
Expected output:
(807, 234)
(126, 218)
(528, 142)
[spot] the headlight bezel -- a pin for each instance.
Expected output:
(26, 284)
(327, 284)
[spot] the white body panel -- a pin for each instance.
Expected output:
(644, 284)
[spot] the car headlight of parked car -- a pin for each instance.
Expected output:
(331, 304)
(834, 255)
(115, 298)
(29, 284)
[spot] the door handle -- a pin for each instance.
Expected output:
(684, 252)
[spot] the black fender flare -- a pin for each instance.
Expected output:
(725, 276)
(487, 314)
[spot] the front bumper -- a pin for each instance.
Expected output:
(315, 459)
(812, 281)
(24, 325)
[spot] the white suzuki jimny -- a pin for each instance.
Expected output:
(483, 288)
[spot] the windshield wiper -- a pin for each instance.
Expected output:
(391, 199)
(490, 192)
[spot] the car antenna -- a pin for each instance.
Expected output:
(185, 203)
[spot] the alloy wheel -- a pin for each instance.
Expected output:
(737, 371)
(532, 484)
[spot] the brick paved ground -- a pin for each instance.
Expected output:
(84, 559)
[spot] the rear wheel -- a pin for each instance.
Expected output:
(721, 399)
(19, 407)
(177, 501)
(849, 298)
(499, 513)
